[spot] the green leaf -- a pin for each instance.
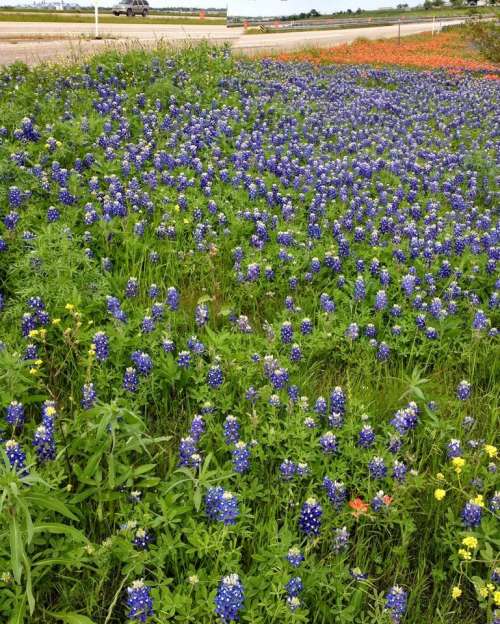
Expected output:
(56, 527)
(197, 499)
(16, 550)
(19, 612)
(49, 502)
(72, 618)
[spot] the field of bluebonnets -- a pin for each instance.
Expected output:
(247, 368)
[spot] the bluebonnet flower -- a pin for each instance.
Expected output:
(157, 312)
(366, 436)
(399, 471)
(377, 468)
(130, 380)
(28, 323)
(454, 449)
(31, 352)
(295, 353)
(251, 394)
(480, 320)
(168, 345)
(184, 359)
(142, 539)
(16, 457)
(43, 441)
(143, 362)
(114, 308)
(383, 352)
(327, 303)
(359, 289)
(221, 506)
(306, 326)
(294, 586)
(15, 414)
(215, 377)
(302, 469)
(241, 457)
(231, 430)
(405, 419)
(274, 400)
(148, 325)
(132, 288)
(494, 503)
(197, 427)
(357, 574)
(320, 406)
(294, 557)
(53, 214)
(471, 514)
(463, 390)
(89, 396)
(229, 598)
(328, 443)
(352, 332)
(337, 401)
(201, 314)
(279, 378)
(310, 517)
(173, 298)
(395, 603)
(101, 346)
(431, 333)
(153, 291)
(139, 601)
(380, 501)
(287, 470)
(340, 539)
(336, 492)
(187, 448)
(370, 331)
(381, 300)
(286, 332)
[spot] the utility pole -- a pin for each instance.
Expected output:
(96, 14)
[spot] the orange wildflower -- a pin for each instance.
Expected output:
(359, 506)
(448, 50)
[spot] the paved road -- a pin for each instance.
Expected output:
(15, 47)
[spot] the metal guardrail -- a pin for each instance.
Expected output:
(324, 24)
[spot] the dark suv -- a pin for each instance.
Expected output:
(131, 8)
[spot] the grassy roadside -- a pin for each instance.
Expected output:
(107, 18)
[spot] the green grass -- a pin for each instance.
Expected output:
(105, 17)
(66, 551)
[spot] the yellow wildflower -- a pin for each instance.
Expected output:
(470, 542)
(440, 476)
(69, 307)
(465, 554)
(490, 450)
(458, 463)
(479, 500)
(56, 321)
(439, 494)
(456, 592)
(496, 598)
(483, 592)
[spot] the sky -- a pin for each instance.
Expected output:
(266, 8)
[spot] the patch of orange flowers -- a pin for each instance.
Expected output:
(448, 50)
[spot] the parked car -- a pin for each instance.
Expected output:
(131, 8)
